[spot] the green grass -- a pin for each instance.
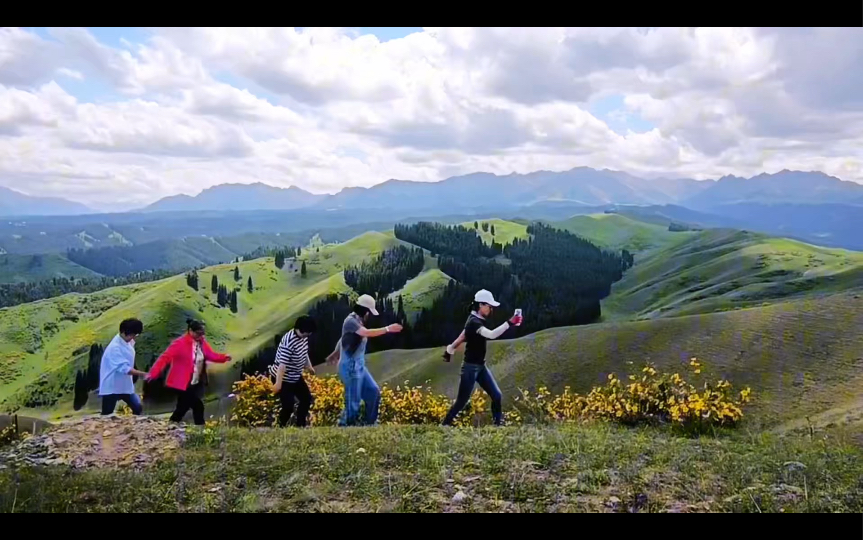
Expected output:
(720, 270)
(504, 231)
(590, 468)
(43, 343)
(620, 232)
(801, 358)
(421, 291)
(26, 269)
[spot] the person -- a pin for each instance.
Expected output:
(292, 357)
(473, 370)
(187, 357)
(350, 354)
(118, 368)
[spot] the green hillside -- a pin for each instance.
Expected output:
(421, 291)
(30, 268)
(620, 232)
(504, 231)
(801, 358)
(719, 270)
(43, 343)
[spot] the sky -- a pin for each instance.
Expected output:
(117, 118)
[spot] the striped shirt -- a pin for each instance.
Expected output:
(293, 352)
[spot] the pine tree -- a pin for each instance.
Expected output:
(299, 251)
(222, 297)
(237, 272)
(250, 286)
(492, 230)
(303, 269)
(476, 225)
(214, 284)
(233, 301)
(280, 260)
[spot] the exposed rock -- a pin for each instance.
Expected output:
(102, 441)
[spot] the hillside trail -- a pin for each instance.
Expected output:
(98, 441)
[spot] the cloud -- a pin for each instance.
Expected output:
(327, 108)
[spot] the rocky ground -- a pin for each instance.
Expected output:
(95, 442)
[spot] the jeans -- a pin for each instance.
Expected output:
(190, 398)
(109, 402)
(470, 375)
(299, 390)
(359, 386)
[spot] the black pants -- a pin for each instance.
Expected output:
(290, 391)
(190, 398)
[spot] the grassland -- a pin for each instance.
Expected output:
(620, 232)
(720, 270)
(421, 291)
(504, 231)
(29, 268)
(43, 343)
(801, 358)
(587, 468)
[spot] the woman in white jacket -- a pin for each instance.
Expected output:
(473, 369)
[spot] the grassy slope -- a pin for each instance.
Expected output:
(620, 232)
(421, 291)
(504, 231)
(279, 297)
(718, 270)
(801, 358)
(420, 469)
(20, 268)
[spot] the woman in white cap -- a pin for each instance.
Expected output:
(350, 352)
(473, 369)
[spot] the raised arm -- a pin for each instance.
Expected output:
(212, 356)
(493, 334)
(375, 332)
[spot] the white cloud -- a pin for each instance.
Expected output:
(325, 108)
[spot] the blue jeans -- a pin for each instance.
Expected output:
(359, 386)
(472, 374)
(109, 402)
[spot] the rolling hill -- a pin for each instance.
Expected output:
(720, 269)
(29, 268)
(617, 231)
(43, 343)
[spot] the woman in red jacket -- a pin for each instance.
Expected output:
(188, 356)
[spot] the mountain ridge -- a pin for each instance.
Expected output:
(15, 203)
(579, 185)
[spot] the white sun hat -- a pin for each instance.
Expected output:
(369, 303)
(485, 297)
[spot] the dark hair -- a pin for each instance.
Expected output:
(360, 310)
(194, 326)
(131, 327)
(306, 325)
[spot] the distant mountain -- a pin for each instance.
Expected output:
(14, 203)
(581, 186)
(238, 197)
(790, 187)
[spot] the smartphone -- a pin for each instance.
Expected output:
(518, 314)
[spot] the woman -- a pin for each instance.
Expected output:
(187, 356)
(118, 368)
(292, 357)
(473, 369)
(351, 354)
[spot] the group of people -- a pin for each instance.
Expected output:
(187, 356)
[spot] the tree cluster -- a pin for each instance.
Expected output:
(386, 273)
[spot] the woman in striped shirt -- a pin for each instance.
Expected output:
(292, 357)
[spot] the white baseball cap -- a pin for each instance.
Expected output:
(368, 302)
(485, 297)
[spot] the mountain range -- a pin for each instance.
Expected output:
(579, 186)
(15, 203)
